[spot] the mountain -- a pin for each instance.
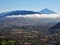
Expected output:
(55, 29)
(57, 26)
(47, 11)
(25, 12)
(18, 12)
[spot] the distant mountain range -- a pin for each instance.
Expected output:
(25, 12)
(18, 12)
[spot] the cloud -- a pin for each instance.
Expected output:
(36, 16)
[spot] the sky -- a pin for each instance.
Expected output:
(34, 5)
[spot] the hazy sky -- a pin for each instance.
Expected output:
(35, 5)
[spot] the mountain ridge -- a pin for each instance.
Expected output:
(25, 12)
(54, 29)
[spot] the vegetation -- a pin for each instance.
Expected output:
(23, 37)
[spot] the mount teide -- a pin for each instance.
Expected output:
(47, 11)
